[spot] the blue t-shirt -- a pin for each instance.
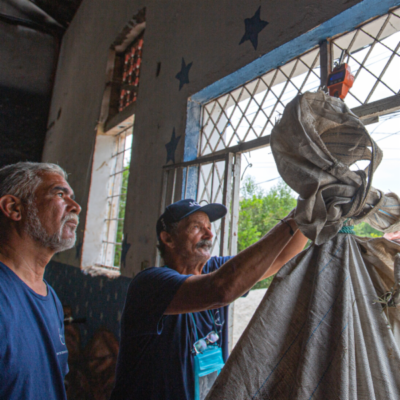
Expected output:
(33, 355)
(155, 360)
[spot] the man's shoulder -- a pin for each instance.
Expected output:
(153, 272)
(53, 293)
(155, 276)
(8, 281)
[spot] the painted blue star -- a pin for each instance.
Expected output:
(171, 147)
(125, 249)
(183, 74)
(253, 26)
(78, 250)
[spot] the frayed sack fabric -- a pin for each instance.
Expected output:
(329, 326)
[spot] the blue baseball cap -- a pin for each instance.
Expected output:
(183, 208)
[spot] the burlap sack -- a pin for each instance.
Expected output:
(323, 330)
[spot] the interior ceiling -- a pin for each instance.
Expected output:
(53, 15)
(61, 10)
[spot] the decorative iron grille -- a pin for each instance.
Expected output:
(250, 111)
(373, 55)
(117, 190)
(131, 72)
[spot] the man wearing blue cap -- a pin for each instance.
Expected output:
(175, 318)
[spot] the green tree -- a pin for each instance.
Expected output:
(367, 230)
(121, 216)
(259, 212)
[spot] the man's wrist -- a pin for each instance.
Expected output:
(291, 224)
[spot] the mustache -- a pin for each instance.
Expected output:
(204, 243)
(70, 217)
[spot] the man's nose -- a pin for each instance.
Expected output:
(208, 233)
(74, 207)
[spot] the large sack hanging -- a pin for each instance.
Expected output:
(323, 330)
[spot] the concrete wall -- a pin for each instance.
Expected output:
(28, 59)
(206, 33)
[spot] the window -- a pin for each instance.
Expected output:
(131, 72)
(117, 186)
(105, 217)
(125, 59)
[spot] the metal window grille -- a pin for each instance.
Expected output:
(117, 190)
(211, 190)
(250, 111)
(131, 72)
(373, 55)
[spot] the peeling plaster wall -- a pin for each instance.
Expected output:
(206, 33)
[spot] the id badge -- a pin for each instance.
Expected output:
(207, 366)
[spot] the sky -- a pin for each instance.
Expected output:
(386, 134)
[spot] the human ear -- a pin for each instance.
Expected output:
(167, 239)
(11, 207)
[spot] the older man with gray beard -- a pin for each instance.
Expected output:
(38, 218)
(174, 328)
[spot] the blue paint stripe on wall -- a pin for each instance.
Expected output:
(346, 21)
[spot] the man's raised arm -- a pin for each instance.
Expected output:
(241, 273)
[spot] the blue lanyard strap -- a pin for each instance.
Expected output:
(195, 326)
(213, 319)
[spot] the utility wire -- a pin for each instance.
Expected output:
(392, 134)
(269, 180)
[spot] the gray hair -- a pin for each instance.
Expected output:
(22, 179)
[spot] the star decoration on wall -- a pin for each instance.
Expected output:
(78, 249)
(253, 27)
(125, 249)
(183, 74)
(171, 147)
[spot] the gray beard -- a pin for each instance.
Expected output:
(35, 230)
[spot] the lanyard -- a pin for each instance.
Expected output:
(193, 324)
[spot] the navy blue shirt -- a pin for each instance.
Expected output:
(155, 360)
(33, 355)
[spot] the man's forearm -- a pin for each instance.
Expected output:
(294, 247)
(262, 259)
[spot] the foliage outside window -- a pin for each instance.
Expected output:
(260, 211)
(121, 215)
(110, 256)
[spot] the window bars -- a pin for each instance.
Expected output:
(117, 190)
(211, 190)
(250, 111)
(373, 55)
